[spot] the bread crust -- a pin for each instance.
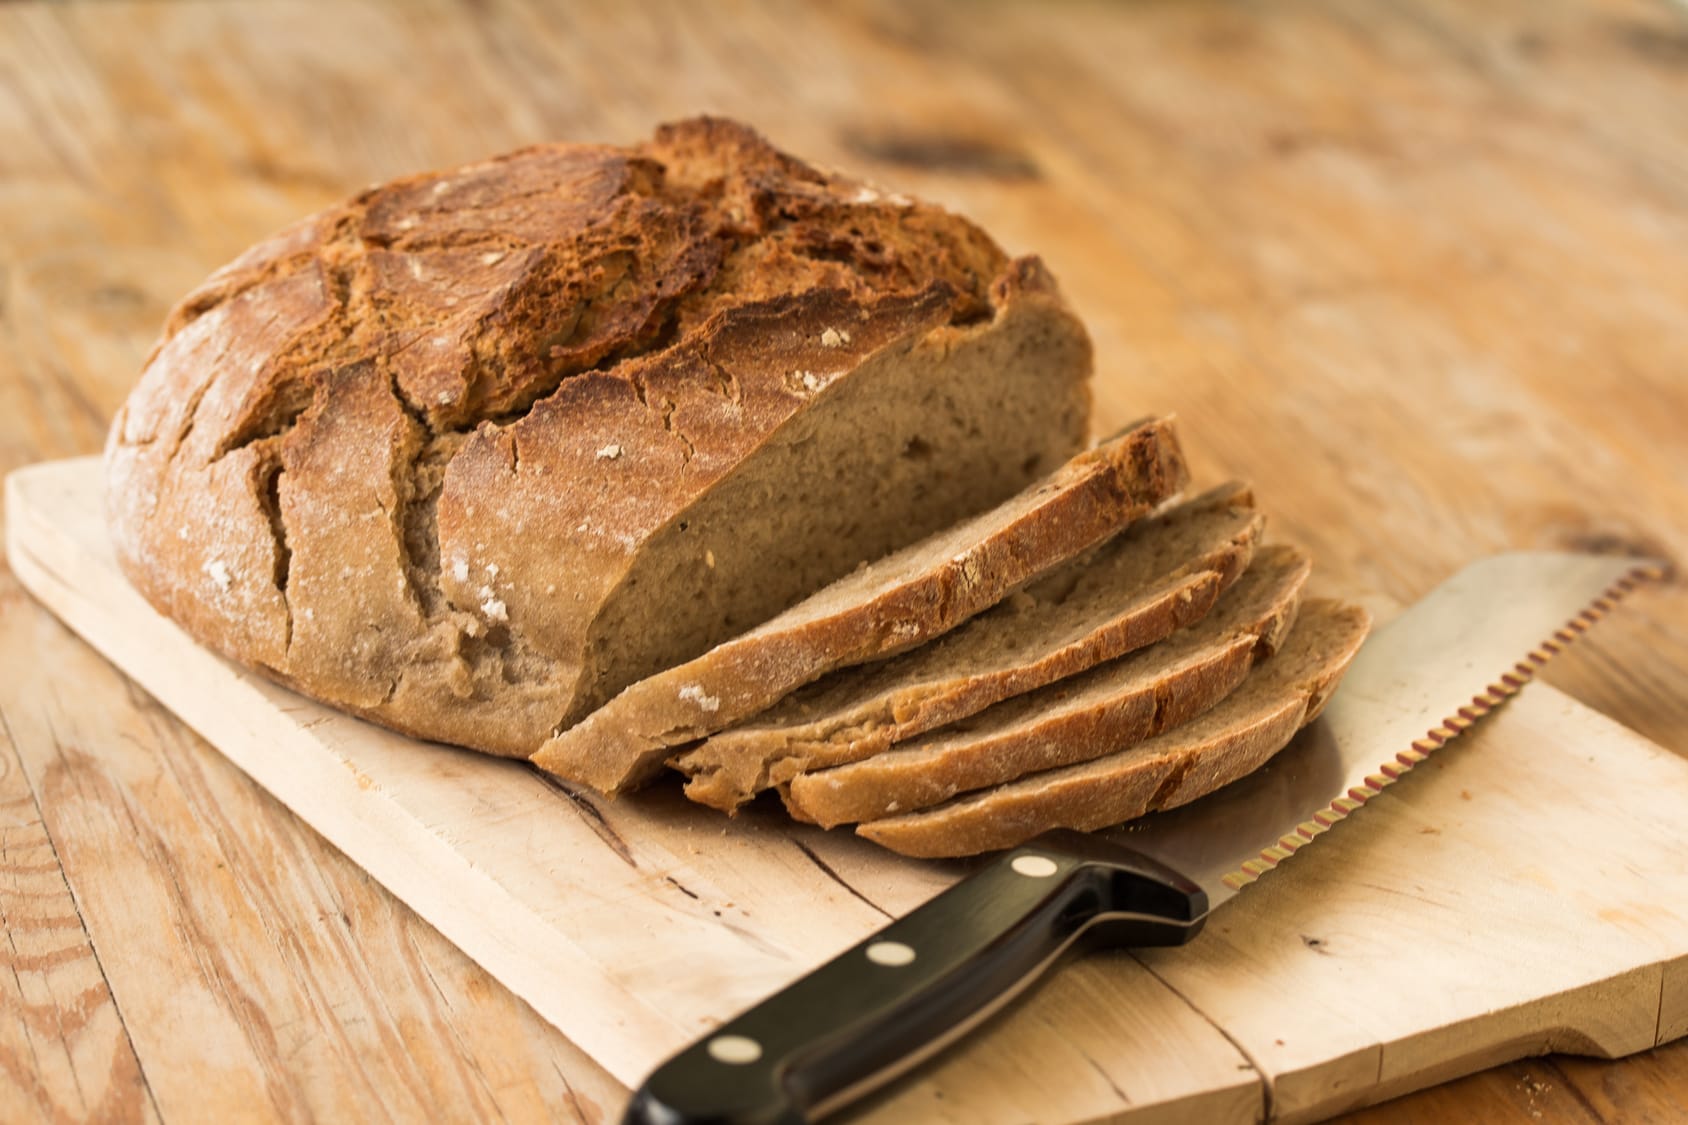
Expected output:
(412, 455)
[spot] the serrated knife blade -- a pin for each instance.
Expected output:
(894, 999)
(1418, 681)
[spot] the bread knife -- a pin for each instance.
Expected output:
(893, 1000)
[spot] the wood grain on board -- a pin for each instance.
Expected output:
(1417, 269)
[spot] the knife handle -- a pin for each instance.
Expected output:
(906, 992)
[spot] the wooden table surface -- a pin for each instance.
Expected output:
(1419, 269)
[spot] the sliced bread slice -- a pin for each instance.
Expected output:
(889, 606)
(1075, 720)
(1234, 738)
(1160, 575)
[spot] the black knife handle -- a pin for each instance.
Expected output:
(884, 1005)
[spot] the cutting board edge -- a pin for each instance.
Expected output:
(1673, 1004)
(1507, 1035)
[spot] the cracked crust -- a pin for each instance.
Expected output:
(474, 450)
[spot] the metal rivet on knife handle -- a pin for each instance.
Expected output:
(735, 1050)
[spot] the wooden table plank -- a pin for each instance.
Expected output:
(64, 1051)
(1462, 231)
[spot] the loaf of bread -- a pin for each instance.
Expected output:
(475, 450)
(597, 455)
(1160, 575)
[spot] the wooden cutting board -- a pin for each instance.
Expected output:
(1525, 891)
